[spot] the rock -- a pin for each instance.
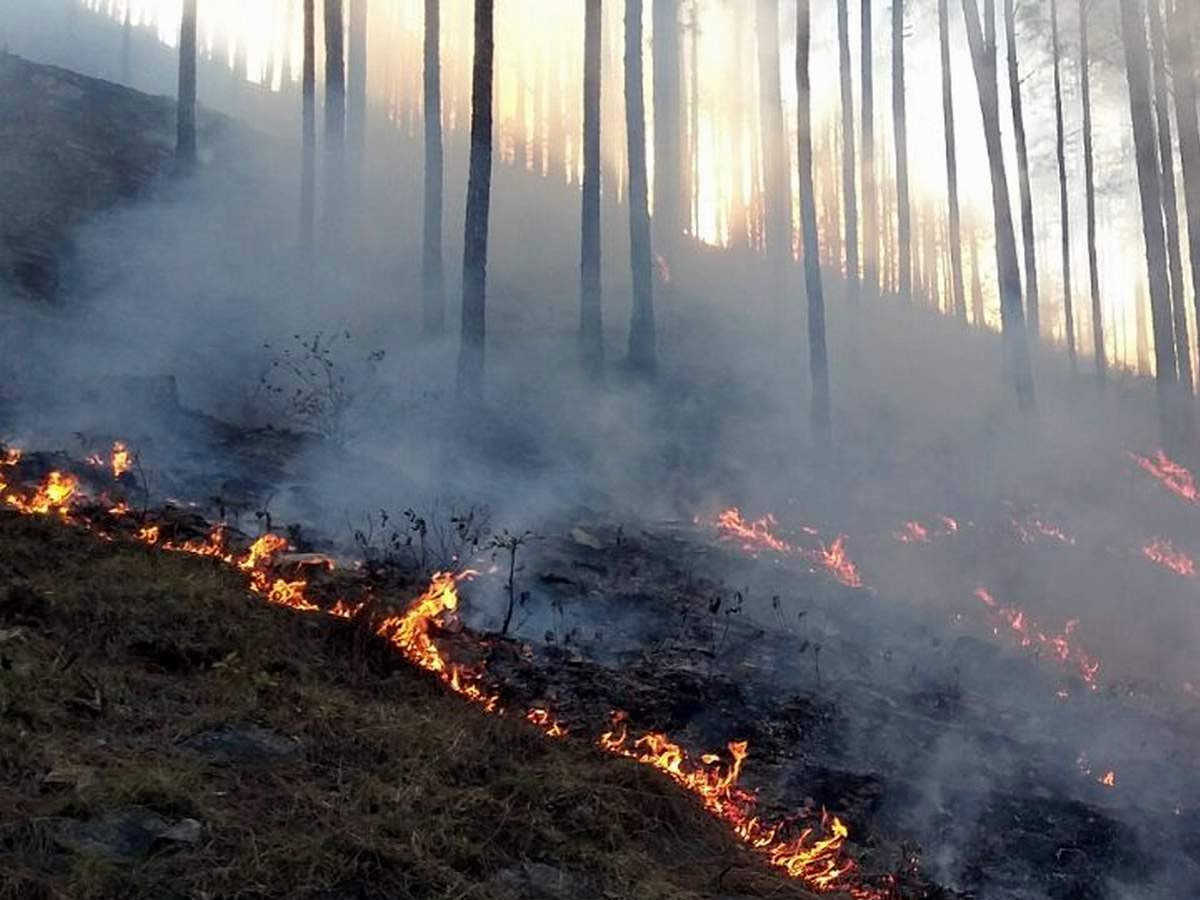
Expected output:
(77, 777)
(241, 744)
(125, 835)
(586, 539)
(537, 881)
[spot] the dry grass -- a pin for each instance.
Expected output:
(112, 656)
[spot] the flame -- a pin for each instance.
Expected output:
(1029, 634)
(1108, 779)
(53, 495)
(817, 855)
(10, 457)
(545, 721)
(1170, 474)
(838, 562)
(759, 535)
(1028, 530)
(1162, 552)
(122, 459)
(913, 533)
(754, 536)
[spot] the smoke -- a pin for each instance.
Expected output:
(186, 314)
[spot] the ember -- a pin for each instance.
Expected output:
(914, 532)
(1162, 552)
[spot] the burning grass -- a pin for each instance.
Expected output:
(115, 656)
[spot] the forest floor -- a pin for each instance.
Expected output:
(164, 734)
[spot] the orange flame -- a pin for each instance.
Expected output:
(1162, 552)
(1108, 779)
(53, 495)
(122, 459)
(913, 533)
(1170, 474)
(1029, 634)
(759, 535)
(816, 855)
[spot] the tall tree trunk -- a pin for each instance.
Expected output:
(976, 282)
(956, 266)
(778, 198)
(479, 194)
(127, 46)
(356, 86)
(1143, 331)
(870, 193)
(641, 326)
(1063, 205)
(1185, 30)
(900, 114)
(432, 273)
(1089, 172)
(1012, 314)
(308, 168)
(667, 147)
(1170, 203)
(849, 194)
(818, 358)
(591, 325)
(335, 119)
(185, 113)
(1172, 413)
(1029, 239)
(694, 124)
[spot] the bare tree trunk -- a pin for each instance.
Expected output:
(694, 124)
(432, 272)
(1089, 169)
(1170, 203)
(849, 194)
(308, 168)
(1014, 88)
(667, 146)
(1172, 413)
(900, 114)
(356, 85)
(818, 358)
(479, 194)
(127, 46)
(1185, 28)
(185, 114)
(956, 267)
(591, 325)
(335, 119)
(1063, 205)
(1143, 331)
(1012, 314)
(641, 326)
(976, 282)
(870, 193)
(778, 198)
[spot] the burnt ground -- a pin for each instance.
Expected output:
(163, 734)
(930, 729)
(949, 750)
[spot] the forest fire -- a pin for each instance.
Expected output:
(759, 535)
(816, 855)
(1170, 474)
(52, 496)
(1162, 552)
(1031, 527)
(1029, 634)
(914, 532)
